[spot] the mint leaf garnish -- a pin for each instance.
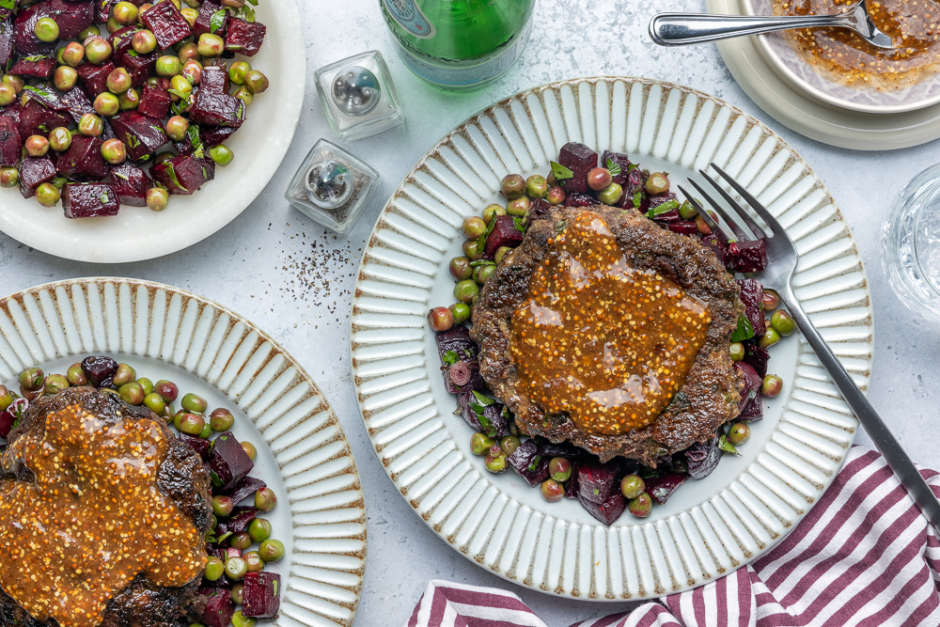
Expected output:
(659, 210)
(614, 168)
(745, 330)
(560, 172)
(450, 358)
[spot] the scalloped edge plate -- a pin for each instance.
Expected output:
(730, 518)
(212, 351)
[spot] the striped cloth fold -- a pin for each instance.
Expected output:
(864, 555)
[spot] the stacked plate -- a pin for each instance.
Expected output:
(781, 82)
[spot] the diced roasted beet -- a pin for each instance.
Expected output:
(215, 80)
(94, 78)
(702, 458)
(597, 480)
(683, 227)
(244, 37)
(752, 295)
(25, 41)
(750, 256)
(216, 551)
(99, 370)
(90, 200)
(37, 67)
(83, 160)
(580, 160)
(720, 250)
(11, 145)
(6, 423)
(141, 134)
(229, 463)
(205, 22)
(240, 518)
(655, 201)
(539, 210)
(103, 9)
(576, 199)
(245, 488)
(567, 450)
(573, 486)
(155, 102)
(12, 112)
(6, 41)
(757, 358)
(504, 233)
(665, 218)
(183, 175)
(261, 595)
(34, 171)
(199, 445)
(71, 17)
(36, 119)
(661, 487)
(528, 464)
(455, 346)
(121, 40)
(217, 110)
(607, 512)
(139, 66)
(76, 104)
(751, 394)
(167, 23)
(218, 607)
(488, 419)
(130, 183)
(210, 137)
(634, 191)
(620, 159)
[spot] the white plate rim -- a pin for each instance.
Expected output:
(327, 549)
(388, 307)
(138, 234)
(766, 44)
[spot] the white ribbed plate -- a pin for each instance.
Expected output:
(709, 527)
(167, 333)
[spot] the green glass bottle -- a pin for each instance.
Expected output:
(459, 44)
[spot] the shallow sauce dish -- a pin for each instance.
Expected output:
(137, 233)
(734, 515)
(787, 61)
(167, 333)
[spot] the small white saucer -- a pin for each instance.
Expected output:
(809, 116)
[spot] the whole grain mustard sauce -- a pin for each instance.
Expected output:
(93, 520)
(842, 55)
(607, 344)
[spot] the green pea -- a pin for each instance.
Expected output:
(259, 530)
(271, 550)
(215, 568)
(240, 620)
(194, 403)
(154, 403)
(147, 384)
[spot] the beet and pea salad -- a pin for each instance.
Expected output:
(108, 103)
(605, 344)
(120, 509)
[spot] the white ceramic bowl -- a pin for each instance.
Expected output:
(167, 333)
(709, 527)
(137, 233)
(790, 64)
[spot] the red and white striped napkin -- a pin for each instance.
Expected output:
(864, 555)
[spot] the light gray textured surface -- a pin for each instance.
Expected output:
(294, 280)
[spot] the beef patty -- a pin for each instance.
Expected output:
(706, 398)
(182, 479)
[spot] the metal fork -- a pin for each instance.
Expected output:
(783, 257)
(682, 29)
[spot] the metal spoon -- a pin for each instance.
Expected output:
(680, 29)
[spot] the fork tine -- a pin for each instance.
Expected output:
(755, 205)
(709, 220)
(738, 231)
(751, 224)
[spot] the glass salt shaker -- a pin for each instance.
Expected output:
(358, 96)
(332, 186)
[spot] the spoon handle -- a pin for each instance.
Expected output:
(681, 29)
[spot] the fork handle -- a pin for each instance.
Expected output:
(681, 29)
(897, 459)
